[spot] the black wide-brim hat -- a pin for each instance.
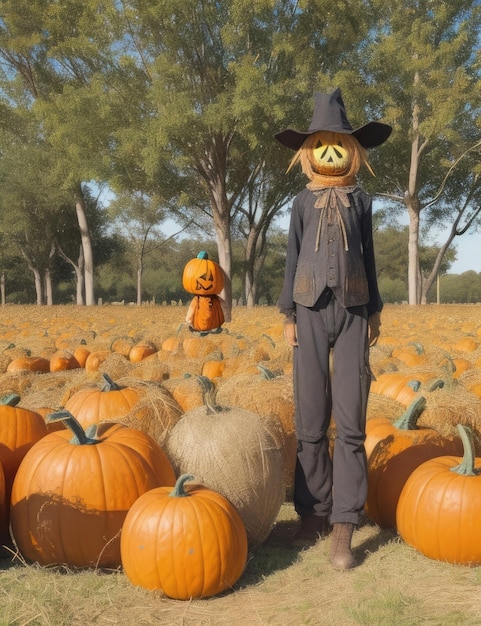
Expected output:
(330, 115)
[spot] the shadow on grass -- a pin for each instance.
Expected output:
(380, 538)
(275, 554)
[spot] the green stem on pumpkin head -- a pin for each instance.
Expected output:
(178, 491)
(80, 436)
(466, 467)
(408, 420)
(11, 399)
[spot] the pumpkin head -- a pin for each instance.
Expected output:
(188, 542)
(71, 494)
(440, 505)
(202, 276)
(331, 158)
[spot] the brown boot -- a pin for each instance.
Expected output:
(312, 527)
(341, 556)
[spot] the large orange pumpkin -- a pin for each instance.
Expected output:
(188, 542)
(4, 511)
(202, 276)
(20, 429)
(394, 450)
(71, 494)
(440, 506)
(92, 405)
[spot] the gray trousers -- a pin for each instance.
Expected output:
(334, 486)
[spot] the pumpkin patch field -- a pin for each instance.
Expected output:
(146, 472)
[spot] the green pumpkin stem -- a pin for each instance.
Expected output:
(80, 436)
(11, 399)
(109, 384)
(466, 467)
(408, 420)
(178, 491)
(209, 393)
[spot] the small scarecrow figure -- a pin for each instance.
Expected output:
(332, 306)
(205, 279)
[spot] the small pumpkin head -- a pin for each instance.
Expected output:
(202, 276)
(333, 154)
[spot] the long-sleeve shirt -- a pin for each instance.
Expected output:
(330, 246)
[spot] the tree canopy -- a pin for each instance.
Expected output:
(177, 103)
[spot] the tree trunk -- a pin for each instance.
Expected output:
(214, 173)
(140, 270)
(224, 248)
(47, 281)
(37, 278)
(413, 255)
(86, 247)
(47, 277)
(79, 273)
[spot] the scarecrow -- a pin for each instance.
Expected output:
(205, 279)
(332, 308)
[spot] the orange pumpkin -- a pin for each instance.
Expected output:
(71, 494)
(141, 351)
(29, 364)
(19, 430)
(202, 276)
(81, 354)
(92, 405)
(63, 360)
(188, 542)
(439, 507)
(394, 450)
(4, 511)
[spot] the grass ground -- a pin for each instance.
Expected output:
(281, 585)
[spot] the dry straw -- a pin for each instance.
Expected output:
(239, 454)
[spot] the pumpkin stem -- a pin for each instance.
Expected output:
(10, 399)
(202, 255)
(178, 491)
(466, 467)
(408, 420)
(80, 436)
(109, 384)
(266, 373)
(208, 394)
(417, 346)
(415, 385)
(436, 384)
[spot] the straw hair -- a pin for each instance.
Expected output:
(310, 167)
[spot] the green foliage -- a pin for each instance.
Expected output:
(177, 103)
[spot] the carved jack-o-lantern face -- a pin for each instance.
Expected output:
(331, 153)
(202, 276)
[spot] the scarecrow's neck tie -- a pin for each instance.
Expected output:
(329, 201)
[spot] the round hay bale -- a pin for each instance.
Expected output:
(271, 398)
(237, 453)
